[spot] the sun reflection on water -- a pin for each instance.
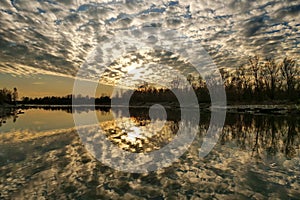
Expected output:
(137, 135)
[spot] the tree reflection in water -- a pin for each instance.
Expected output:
(261, 134)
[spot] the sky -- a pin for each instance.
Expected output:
(37, 85)
(41, 85)
(44, 43)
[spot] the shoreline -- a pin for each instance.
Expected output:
(278, 109)
(262, 108)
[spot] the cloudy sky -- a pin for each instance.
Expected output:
(43, 43)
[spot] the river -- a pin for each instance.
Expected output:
(42, 156)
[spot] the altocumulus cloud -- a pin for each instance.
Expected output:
(55, 37)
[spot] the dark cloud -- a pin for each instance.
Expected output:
(255, 24)
(290, 10)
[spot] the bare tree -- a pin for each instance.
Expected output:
(289, 72)
(271, 77)
(254, 64)
(15, 96)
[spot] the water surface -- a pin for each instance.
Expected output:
(42, 156)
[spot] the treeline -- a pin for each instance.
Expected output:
(153, 95)
(260, 81)
(147, 94)
(70, 108)
(263, 80)
(67, 100)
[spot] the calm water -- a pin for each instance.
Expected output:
(42, 157)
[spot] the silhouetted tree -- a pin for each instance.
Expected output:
(15, 96)
(5, 96)
(289, 71)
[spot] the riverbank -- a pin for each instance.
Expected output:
(280, 108)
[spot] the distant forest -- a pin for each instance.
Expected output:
(260, 81)
(67, 100)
